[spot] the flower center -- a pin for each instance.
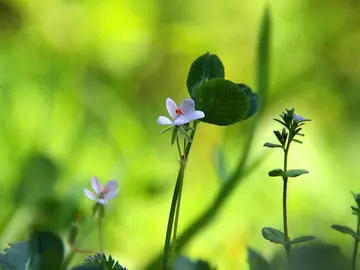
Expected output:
(179, 111)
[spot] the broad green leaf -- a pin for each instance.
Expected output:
(273, 235)
(47, 250)
(295, 173)
(16, 256)
(253, 99)
(222, 102)
(346, 230)
(204, 68)
(277, 172)
(302, 239)
(272, 145)
(256, 261)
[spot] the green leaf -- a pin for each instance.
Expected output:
(302, 239)
(256, 261)
(222, 102)
(89, 267)
(346, 230)
(182, 263)
(277, 172)
(273, 235)
(297, 141)
(174, 135)
(272, 145)
(107, 263)
(204, 68)
(47, 251)
(253, 99)
(295, 173)
(16, 256)
(184, 134)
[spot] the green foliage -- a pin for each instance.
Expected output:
(277, 172)
(346, 230)
(184, 263)
(295, 173)
(222, 101)
(302, 239)
(100, 261)
(253, 99)
(274, 235)
(47, 251)
(204, 68)
(256, 261)
(16, 256)
(272, 145)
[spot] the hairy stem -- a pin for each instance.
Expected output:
(356, 242)
(286, 230)
(175, 203)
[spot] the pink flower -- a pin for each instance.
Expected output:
(102, 195)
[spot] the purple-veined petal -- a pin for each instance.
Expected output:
(171, 107)
(163, 120)
(182, 120)
(111, 195)
(187, 106)
(89, 194)
(95, 184)
(196, 115)
(110, 187)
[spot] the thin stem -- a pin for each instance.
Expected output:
(178, 146)
(286, 230)
(356, 242)
(177, 214)
(175, 201)
(100, 232)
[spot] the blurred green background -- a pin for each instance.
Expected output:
(82, 83)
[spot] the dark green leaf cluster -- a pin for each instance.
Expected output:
(108, 263)
(292, 125)
(278, 237)
(222, 101)
(183, 263)
(356, 210)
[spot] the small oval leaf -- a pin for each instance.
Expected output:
(204, 68)
(302, 239)
(222, 102)
(295, 173)
(272, 145)
(346, 230)
(277, 172)
(253, 99)
(273, 235)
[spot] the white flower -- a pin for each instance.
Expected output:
(181, 115)
(102, 195)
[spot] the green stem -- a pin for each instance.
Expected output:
(286, 230)
(175, 201)
(100, 232)
(356, 242)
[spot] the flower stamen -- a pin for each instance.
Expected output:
(179, 111)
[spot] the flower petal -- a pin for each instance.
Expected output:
(89, 194)
(186, 118)
(187, 106)
(111, 186)
(182, 120)
(95, 184)
(298, 118)
(111, 195)
(171, 107)
(162, 120)
(196, 115)
(101, 201)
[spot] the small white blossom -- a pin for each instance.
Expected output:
(181, 115)
(102, 195)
